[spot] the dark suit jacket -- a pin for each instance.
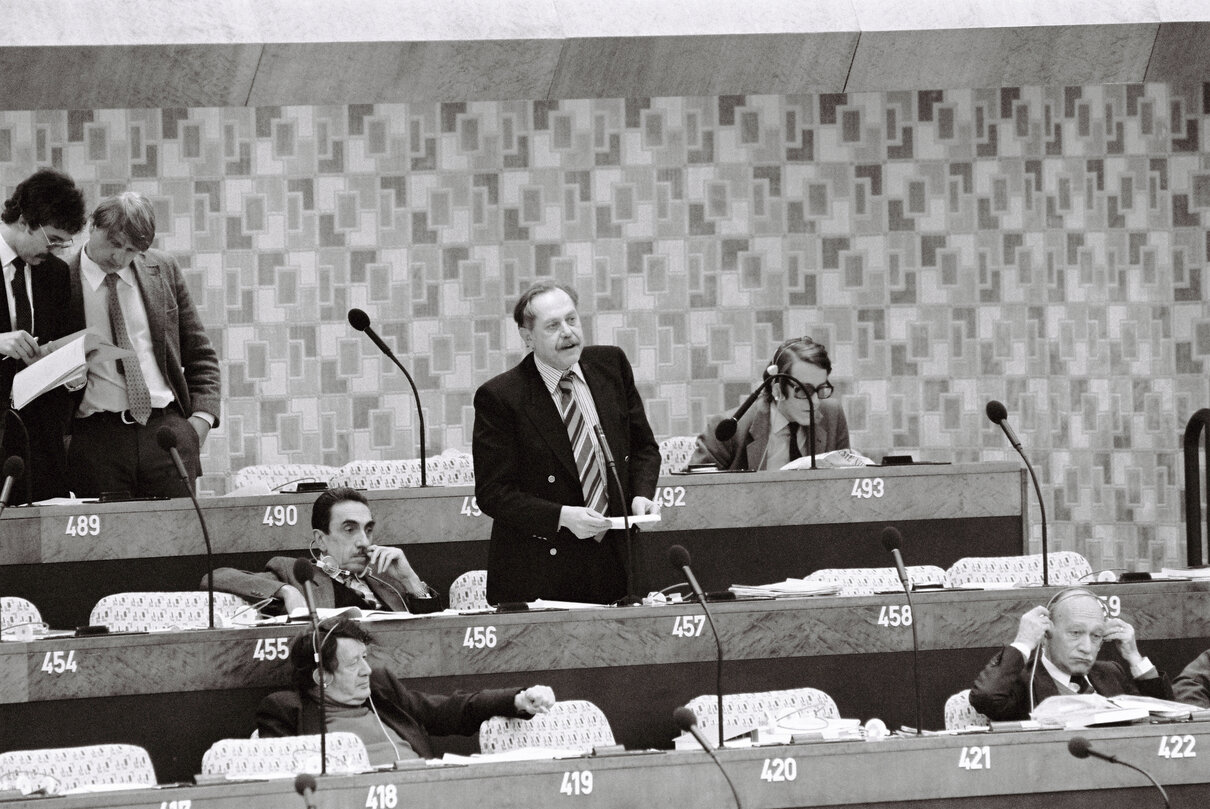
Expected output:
(1001, 691)
(525, 473)
(47, 417)
(280, 570)
(746, 449)
(411, 714)
(182, 347)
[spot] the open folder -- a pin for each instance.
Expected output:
(68, 358)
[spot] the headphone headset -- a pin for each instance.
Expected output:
(778, 390)
(1055, 600)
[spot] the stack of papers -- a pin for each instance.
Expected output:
(790, 588)
(1087, 710)
(1196, 573)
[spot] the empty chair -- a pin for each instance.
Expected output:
(285, 754)
(675, 453)
(59, 769)
(864, 581)
(745, 711)
(469, 591)
(570, 725)
(16, 614)
(280, 475)
(959, 714)
(150, 612)
(1066, 567)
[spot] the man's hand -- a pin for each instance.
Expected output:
(641, 505)
(582, 521)
(534, 700)
(19, 345)
(291, 598)
(1032, 627)
(201, 427)
(1122, 634)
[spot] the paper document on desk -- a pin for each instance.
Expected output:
(790, 588)
(1165, 708)
(1084, 710)
(548, 604)
(324, 613)
(68, 358)
(836, 459)
(521, 754)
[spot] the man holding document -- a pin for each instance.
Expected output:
(45, 211)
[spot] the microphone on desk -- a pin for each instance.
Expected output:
(1080, 747)
(361, 321)
(166, 438)
(679, 557)
(999, 415)
(13, 468)
(304, 573)
(686, 720)
(304, 785)
(892, 540)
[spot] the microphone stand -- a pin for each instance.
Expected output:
(361, 321)
(167, 441)
(613, 477)
(26, 455)
(304, 572)
(999, 415)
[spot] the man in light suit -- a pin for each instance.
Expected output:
(45, 211)
(171, 382)
(547, 540)
(774, 430)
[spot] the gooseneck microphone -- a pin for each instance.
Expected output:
(999, 415)
(679, 557)
(892, 540)
(726, 428)
(304, 572)
(1080, 747)
(361, 321)
(613, 477)
(686, 720)
(13, 469)
(304, 785)
(166, 438)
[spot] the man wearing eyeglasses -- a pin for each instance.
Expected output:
(775, 429)
(42, 215)
(123, 289)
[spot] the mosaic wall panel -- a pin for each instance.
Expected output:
(1041, 246)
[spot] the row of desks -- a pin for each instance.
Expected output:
(739, 528)
(176, 693)
(1029, 769)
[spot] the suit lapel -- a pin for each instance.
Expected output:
(544, 415)
(151, 287)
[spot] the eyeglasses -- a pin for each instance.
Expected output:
(803, 390)
(56, 243)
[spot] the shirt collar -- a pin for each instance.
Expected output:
(95, 276)
(551, 375)
(7, 254)
(1058, 675)
(778, 423)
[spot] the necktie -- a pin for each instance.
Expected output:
(795, 452)
(25, 312)
(592, 481)
(138, 399)
(1082, 685)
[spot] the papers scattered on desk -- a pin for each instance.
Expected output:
(790, 588)
(1195, 573)
(1086, 710)
(523, 754)
(618, 523)
(545, 604)
(987, 585)
(836, 459)
(324, 613)
(1163, 708)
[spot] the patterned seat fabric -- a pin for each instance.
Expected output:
(569, 725)
(278, 475)
(1066, 567)
(675, 453)
(57, 770)
(959, 714)
(469, 591)
(451, 468)
(149, 612)
(285, 754)
(864, 581)
(16, 613)
(746, 711)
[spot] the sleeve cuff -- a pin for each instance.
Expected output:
(1142, 667)
(1022, 648)
(204, 416)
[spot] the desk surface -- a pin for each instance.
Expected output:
(1011, 769)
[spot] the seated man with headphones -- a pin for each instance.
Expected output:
(394, 722)
(1055, 653)
(768, 435)
(350, 571)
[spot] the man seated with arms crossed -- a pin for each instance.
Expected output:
(350, 571)
(1067, 633)
(392, 720)
(776, 429)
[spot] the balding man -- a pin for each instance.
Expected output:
(1055, 652)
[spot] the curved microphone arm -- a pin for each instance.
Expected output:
(726, 427)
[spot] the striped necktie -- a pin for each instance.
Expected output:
(138, 398)
(592, 479)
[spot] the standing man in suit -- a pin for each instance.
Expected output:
(538, 471)
(45, 211)
(122, 289)
(774, 430)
